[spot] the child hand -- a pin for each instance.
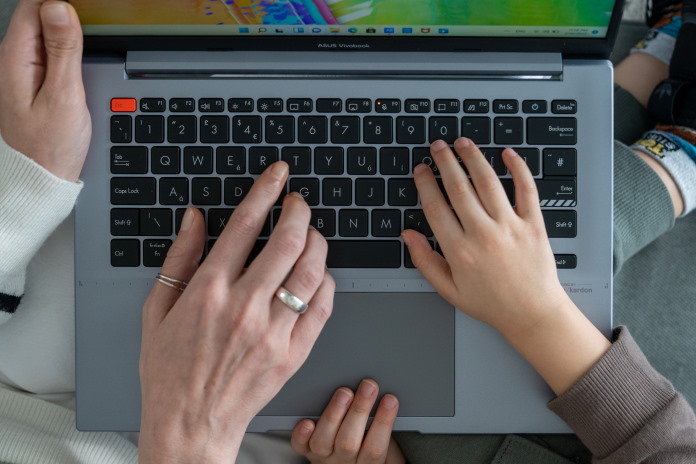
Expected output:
(498, 266)
(339, 434)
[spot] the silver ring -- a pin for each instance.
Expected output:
(172, 283)
(290, 300)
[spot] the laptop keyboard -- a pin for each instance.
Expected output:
(351, 159)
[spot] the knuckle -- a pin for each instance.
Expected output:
(62, 46)
(290, 243)
(244, 223)
(319, 447)
(310, 276)
(374, 453)
(347, 445)
(489, 184)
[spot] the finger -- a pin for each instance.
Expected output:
(395, 455)
(322, 441)
(305, 278)
(309, 326)
(461, 193)
(490, 191)
(526, 193)
(443, 222)
(429, 262)
(376, 445)
(285, 245)
(181, 264)
(299, 441)
(62, 37)
(232, 248)
(22, 51)
(352, 431)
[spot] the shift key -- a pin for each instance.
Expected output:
(552, 131)
(133, 191)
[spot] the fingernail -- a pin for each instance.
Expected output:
(389, 402)
(56, 14)
(420, 168)
(306, 428)
(438, 145)
(187, 221)
(297, 195)
(512, 152)
(342, 397)
(366, 388)
(462, 142)
(279, 169)
(405, 239)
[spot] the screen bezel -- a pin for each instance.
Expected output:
(581, 47)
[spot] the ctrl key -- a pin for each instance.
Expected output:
(125, 253)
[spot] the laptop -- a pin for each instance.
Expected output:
(191, 101)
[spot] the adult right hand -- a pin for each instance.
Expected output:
(215, 354)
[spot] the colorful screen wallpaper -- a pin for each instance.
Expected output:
(255, 13)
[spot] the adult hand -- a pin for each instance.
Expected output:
(43, 113)
(498, 266)
(339, 436)
(215, 354)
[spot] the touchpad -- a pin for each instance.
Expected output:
(404, 341)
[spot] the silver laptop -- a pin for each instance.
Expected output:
(192, 100)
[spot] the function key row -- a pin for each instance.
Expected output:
(337, 105)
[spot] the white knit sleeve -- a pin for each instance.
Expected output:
(33, 202)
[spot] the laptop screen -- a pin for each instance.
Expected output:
(576, 19)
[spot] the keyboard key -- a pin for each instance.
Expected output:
(415, 219)
(417, 105)
(324, 220)
(506, 106)
(215, 129)
(446, 106)
(353, 223)
(240, 105)
(552, 131)
(121, 129)
(246, 129)
(270, 105)
(307, 187)
(566, 261)
(182, 129)
(422, 155)
(125, 222)
(509, 131)
(166, 160)
(236, 188)
(206, 191)
(394, 161)
(477, 129)
(230, 160)
(211, 105)
(155, 222)
(557, 192)
(153, 105)
(408, 262)
(280, 129)
(261, 157)
(564, 106)
(534, 106)
(328, 160)
(299, 159)
(560, 161)
(128, 160)
(560, 224)
(410, 131)
(364, 254)
(149, 129)
(402, 192)
(337, 192)
(476, 106)
(386, 222)
(329, 105)
(217, 220)
(369, 192)
(531, 157)
(155, 251)
(125, 253)
(359, 105)
(345, 130)
(362, 161)
(133, 191)
(388, 105)
(182, 105)
(198, 160)
(378, 130)
(443, 128)
(312, 129)
(123, 105)
(173, 191)
(300, 105)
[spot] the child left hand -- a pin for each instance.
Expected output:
(339, 435)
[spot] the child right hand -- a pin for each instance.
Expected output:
(339, 435)
(498, 266)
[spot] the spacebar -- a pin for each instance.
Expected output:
(364, 253)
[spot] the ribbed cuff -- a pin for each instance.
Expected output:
(615, 399)
(33, 202)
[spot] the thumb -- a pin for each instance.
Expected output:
(429, 262)
(180, 265)
(63, 43)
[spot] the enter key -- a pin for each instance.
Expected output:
(557, 192)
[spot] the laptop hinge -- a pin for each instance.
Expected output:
(372, 65)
